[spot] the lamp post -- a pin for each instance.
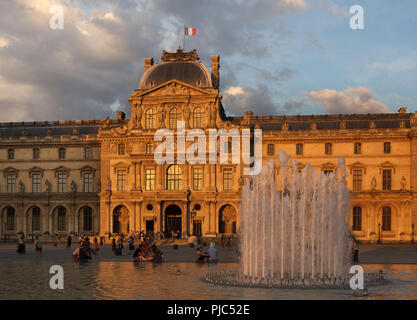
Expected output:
(379, 232)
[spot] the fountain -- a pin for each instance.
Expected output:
(297, 237)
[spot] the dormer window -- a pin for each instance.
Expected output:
(198, 83)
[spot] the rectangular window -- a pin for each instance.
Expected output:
(36, 153)
(10, 154)
(386, 179)
(36, 182)
(197, 178)
(36, 219)
(327, 172)
(387, 147)
(227, 179)
(328, 148)
(299, 149)
(88, 182)
(271, 150)
(62, 182)
(150, 179)
(121, 180)
(358, 148)
(88, 153)
(357, 180)
(11, 183)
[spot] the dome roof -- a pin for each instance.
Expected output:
(182, 66)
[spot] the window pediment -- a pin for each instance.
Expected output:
(10, 170)
(62, 169)
(35, 170)
(121, 166)
(357, 166)
(328, 166)
(387, 165)
(87, 169)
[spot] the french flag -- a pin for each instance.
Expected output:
(189, 31)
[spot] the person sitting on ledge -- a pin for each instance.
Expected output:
(212, 251)
(200, 255)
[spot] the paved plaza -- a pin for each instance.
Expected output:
(369, 253)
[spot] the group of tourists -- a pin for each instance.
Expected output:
(146, 250)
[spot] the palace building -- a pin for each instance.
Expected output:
(100, 176)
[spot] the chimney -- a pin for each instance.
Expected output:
(215, 66)
(148, 63)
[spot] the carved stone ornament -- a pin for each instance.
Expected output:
(173, 89)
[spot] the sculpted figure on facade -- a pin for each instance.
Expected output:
(373, 184)
(186, 112)
(403, 183)
(47, 186)
(162, 112)
(21, 187)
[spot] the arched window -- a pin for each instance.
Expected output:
(299, 149)
(121, 149)
(386, 218)
(174, 177)
(173, 118)
(88, 219)
(61, 219)
(357, 219)
(150, 119)
(36, 218)
(149, 148)
(197, 117)
(61, 153)
(10, 218)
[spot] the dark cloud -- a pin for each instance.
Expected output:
(97, 60)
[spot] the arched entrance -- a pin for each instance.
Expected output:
(227, 219)
(121, 220)
(173, 219)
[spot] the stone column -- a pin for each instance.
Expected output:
(134, 175)
(139, 185)
(159, 177)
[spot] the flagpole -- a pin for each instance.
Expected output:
(183, 48)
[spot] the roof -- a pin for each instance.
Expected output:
(182, 66)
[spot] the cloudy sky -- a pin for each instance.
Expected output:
(277, 56)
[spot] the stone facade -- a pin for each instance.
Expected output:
(108, 180)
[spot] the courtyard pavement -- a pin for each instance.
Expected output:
(368, 253)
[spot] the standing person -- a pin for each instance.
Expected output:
(222, 242)
(130, 241)
(21, 248)
(101, 241)
(96, 248)
(58, 240)
(113, 244)
(356, 253)
(38, 248)
(69, 240)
